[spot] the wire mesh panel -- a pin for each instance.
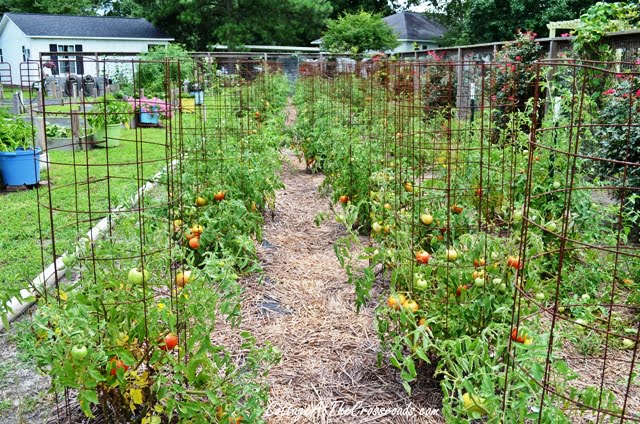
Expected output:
(501, 215)
(577, 289)
(153, 202)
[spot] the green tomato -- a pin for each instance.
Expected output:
(517, 217)
(479, 282)
(557, 185)
(137, 277)
(551, 226)
(627, 343)
(79, 352)
(540, 296)
(497, 281)
(420, 284)
(503, 288)
(585, 297)
(376, 227)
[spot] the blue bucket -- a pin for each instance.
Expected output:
(149, 118)
(20, 167)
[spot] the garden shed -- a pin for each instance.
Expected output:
(23, 36)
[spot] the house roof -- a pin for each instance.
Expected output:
(411, 26)
(40, 25)
(414, 26)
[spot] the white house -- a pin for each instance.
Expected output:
(23, 36)
(414, 31)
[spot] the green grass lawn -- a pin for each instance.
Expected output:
(82, 190)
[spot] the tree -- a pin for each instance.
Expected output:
(340, 7)
(200, 23)
(67, 7)
(358, 33)
(482, 26)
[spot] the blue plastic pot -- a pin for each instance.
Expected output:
(20, 167)
(199, 97)
(149, 118)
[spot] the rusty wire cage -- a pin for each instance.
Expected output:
(578, 285)
(147, 227)
(492, 194)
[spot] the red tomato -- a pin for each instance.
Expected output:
(194, 243)
(170, 342)
(423, 257)
(116, 364)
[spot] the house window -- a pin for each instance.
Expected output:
(26, 53)
(67, 63)
(1, 56)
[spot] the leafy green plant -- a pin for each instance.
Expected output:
(599, 19)
(358, 33)
(15, 133)
(57, 131)
(172, 61)
(109, 111)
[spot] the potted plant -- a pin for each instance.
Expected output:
(196, 91)
(107, 117)
(19, 162)
(60, 138)
(150, 111)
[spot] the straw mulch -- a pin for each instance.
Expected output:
(304, 307)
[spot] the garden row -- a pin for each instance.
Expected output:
(129, 330)
(502, 233)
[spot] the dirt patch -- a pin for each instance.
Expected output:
(23, 390)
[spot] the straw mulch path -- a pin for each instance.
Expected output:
(303, 306)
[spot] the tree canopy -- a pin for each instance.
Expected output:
(358, 33)
(200, 23)
(482, 21)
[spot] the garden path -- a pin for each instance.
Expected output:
(303, 305)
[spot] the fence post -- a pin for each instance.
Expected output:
(459, 76)
(1, 91)
(75, 130)
(41, 141)
(16, 108)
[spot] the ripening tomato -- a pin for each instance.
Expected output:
(116, 364)
(456, 209)
(460, 289)
(170, 342)
(411, 305)
(423, 257)
(344, 199)
(479, 262)
(426, 218)
(201, 201)
(219, 196)
(514, 262)
(197, 230)
(194, 243)
(396, 300)
(408, 187)
(183, 278)
(514, 333)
